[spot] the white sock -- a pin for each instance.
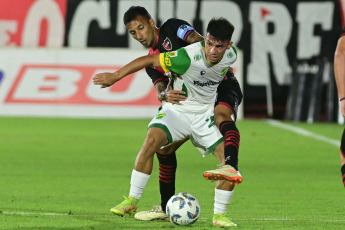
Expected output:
(222, 199)
(138, 183)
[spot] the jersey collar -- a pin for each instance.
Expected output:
(156, 42)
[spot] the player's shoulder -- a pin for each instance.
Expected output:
(195, 47)
(175, 22)
(232, 54)
(234, 49)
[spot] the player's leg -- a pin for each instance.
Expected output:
(167, 127)
(227, 127)
(167, 173)
(224, 192)
(342, 156)
(225, 114)
(212, 140)
(225, 171)
(156, 137)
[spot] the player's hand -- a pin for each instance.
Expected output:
(106, 79)
(173, 96)
(342, 107)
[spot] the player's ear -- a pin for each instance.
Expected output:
(152, 22)
(230, 44)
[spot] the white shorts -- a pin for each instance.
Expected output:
(199, 127)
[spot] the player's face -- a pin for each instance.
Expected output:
(215, 49)
(143, 30)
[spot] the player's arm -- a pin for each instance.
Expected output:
(161, 90)
(108, 79)
(160, 82)
(184, 30)
(339, 71)
(194, 37)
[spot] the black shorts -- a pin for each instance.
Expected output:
(229, 93)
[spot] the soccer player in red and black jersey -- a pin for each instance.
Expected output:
(339, 72)
(172, 35)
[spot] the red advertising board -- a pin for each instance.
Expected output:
(72, 84)
(32, 22)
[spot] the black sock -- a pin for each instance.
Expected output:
(231, 142)
(167, 172)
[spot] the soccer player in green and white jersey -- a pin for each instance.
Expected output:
(202, 66)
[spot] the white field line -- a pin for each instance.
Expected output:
(48, 214)
(201, 219)
(303, 132)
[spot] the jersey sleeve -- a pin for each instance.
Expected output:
(180, 28)
(177, 61)
(156, 76)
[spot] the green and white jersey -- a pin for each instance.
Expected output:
(200, 78)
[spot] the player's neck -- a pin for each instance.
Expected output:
(156, 36)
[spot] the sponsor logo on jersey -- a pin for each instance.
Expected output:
(160, 116)
(208, 83)
(167, 61)
(197, 57)
(173, 54)
(202, 72)
(167, 44)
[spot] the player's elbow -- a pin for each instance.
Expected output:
(339, 55)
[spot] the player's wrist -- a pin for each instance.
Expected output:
(163, 96)
(342, 99)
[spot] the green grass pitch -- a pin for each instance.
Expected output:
(68, 173)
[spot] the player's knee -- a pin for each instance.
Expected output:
(222, 113)
(166, 151)
(152, 141)
(220, 117)
(156, 137)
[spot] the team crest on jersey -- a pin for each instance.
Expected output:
(160, 116)
(230, 55)
(197, 57)
(167, 44)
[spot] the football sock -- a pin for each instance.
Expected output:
(167, 173)
(343, 173)
(222, 199)
(231, 142)
(138, 183)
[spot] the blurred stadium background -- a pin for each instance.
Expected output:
(61, 172)
(50, 49)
